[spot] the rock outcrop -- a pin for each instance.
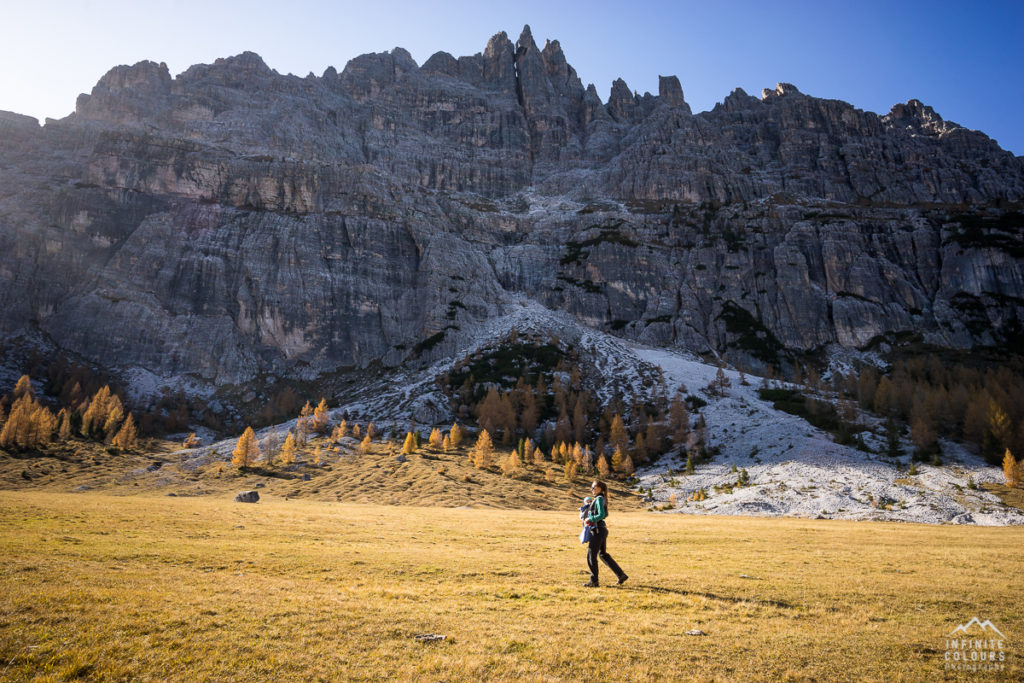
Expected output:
(237, 226)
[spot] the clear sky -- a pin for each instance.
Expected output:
(965, 59)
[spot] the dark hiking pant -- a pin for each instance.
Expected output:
(598, 549)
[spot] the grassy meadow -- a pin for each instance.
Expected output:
(102, 587)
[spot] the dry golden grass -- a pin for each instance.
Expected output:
(99, 587)
(428, 477)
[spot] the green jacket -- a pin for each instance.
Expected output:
(598, 510)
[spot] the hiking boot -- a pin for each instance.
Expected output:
(590, 584)
(622, 580)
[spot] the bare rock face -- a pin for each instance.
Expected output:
(235, 226)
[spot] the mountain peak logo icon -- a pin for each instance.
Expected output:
(985, 626)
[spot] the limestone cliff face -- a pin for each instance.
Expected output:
(235, 225)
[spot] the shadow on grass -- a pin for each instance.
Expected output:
(711, 596)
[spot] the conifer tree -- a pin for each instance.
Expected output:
(288, 450)
(617, 437)
(529, 450)
(24, 388)
(247, 450)
(627, 467)
(579, 418)
(446, 444)
(436, 440)
(1011, 469)
(63, 425)
(640, 449)
(126, 437)
(409, 447)
(365, 444)
(356, 432)
(456, 434)
(678, 421)
(511, 465)
(340, 431)
(577, 453)
(588, 461)
(321, 417)
(371, 430)
(483, 450)
(617, 459)
(602, 467)
(529, 413)
(191, 441)
(570, 469)
(115, 413)
(689, 463)
(317, 455)
(563, 428)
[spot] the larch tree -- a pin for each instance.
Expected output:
(482, 452)
(24, 388)
(530, 413)
(127, 436)
(511, 465)
(340, 431)
(446, 444)
(617, 459)
(288, 449)
(456, 434)
(247, 450)
(409, 447)
(63, 425)
(617, 437)
(366, 444)
(436, 440)
(1011, 469)
(678, 421)
(321, 417)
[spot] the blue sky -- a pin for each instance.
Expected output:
(964, 59)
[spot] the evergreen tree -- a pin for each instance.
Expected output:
(689, 463)
(892, 438)
(247, 451)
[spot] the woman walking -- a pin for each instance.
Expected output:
(599, 536)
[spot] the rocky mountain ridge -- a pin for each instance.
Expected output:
(235, 227)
